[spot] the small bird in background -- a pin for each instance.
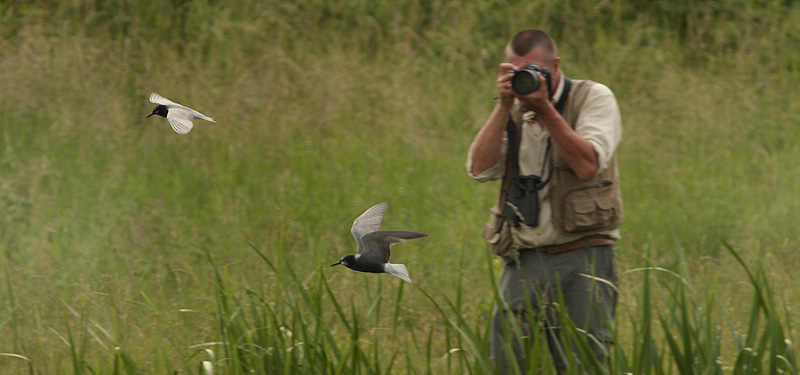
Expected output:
(180, 117)
(373, 244)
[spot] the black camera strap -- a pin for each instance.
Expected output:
(562, 101)
(512, 167)
(511, 128)
(513, 134)
(514, 138)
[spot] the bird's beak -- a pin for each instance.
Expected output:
(148, 116)
(337, 263)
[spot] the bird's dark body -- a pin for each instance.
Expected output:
(351, 263)
(373, 252)
(375, 261)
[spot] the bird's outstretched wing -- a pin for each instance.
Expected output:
(376, 244)
(180, 119)
(158, 99)
(369, 221)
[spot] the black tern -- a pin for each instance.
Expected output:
(180, 117)
(373, 245)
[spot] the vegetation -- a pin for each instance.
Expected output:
(126, 248)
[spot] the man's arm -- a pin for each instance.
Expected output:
(487, 147)
(576, 151)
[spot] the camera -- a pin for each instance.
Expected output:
(526, 81)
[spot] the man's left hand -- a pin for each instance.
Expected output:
(537, 101)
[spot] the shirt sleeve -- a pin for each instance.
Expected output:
(495, 172)
(600, 123)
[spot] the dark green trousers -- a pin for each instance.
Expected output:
(530, 287)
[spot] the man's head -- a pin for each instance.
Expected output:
(535, 46)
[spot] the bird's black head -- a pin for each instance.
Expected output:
(160, 110)
(347, 261)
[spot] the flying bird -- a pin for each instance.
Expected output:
(373, 244)
(180, 117)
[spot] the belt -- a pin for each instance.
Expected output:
(588, 241)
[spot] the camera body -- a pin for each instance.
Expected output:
(525, 80)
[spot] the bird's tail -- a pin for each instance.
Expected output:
(202, 116)
(398, 270)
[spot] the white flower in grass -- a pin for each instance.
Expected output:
(286, 332)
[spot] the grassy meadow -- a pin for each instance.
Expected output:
(126, 248)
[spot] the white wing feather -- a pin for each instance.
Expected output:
(158, 99)
(180, 120)
(369, 221)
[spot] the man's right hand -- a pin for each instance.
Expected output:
(505, 94)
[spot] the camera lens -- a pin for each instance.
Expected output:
(525, 82)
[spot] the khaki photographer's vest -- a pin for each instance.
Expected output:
(581, 207)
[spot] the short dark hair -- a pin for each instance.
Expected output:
(526, 40)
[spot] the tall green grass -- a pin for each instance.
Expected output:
(327, 107)
(304, 326)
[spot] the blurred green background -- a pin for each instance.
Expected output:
(326, 107)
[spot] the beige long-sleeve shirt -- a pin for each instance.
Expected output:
(599, 122)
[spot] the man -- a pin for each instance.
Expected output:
(564, 208)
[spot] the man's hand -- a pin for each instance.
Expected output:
(504, 91)
(539, 100)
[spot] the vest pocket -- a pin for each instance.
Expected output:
(497, 233)
(592, 207)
